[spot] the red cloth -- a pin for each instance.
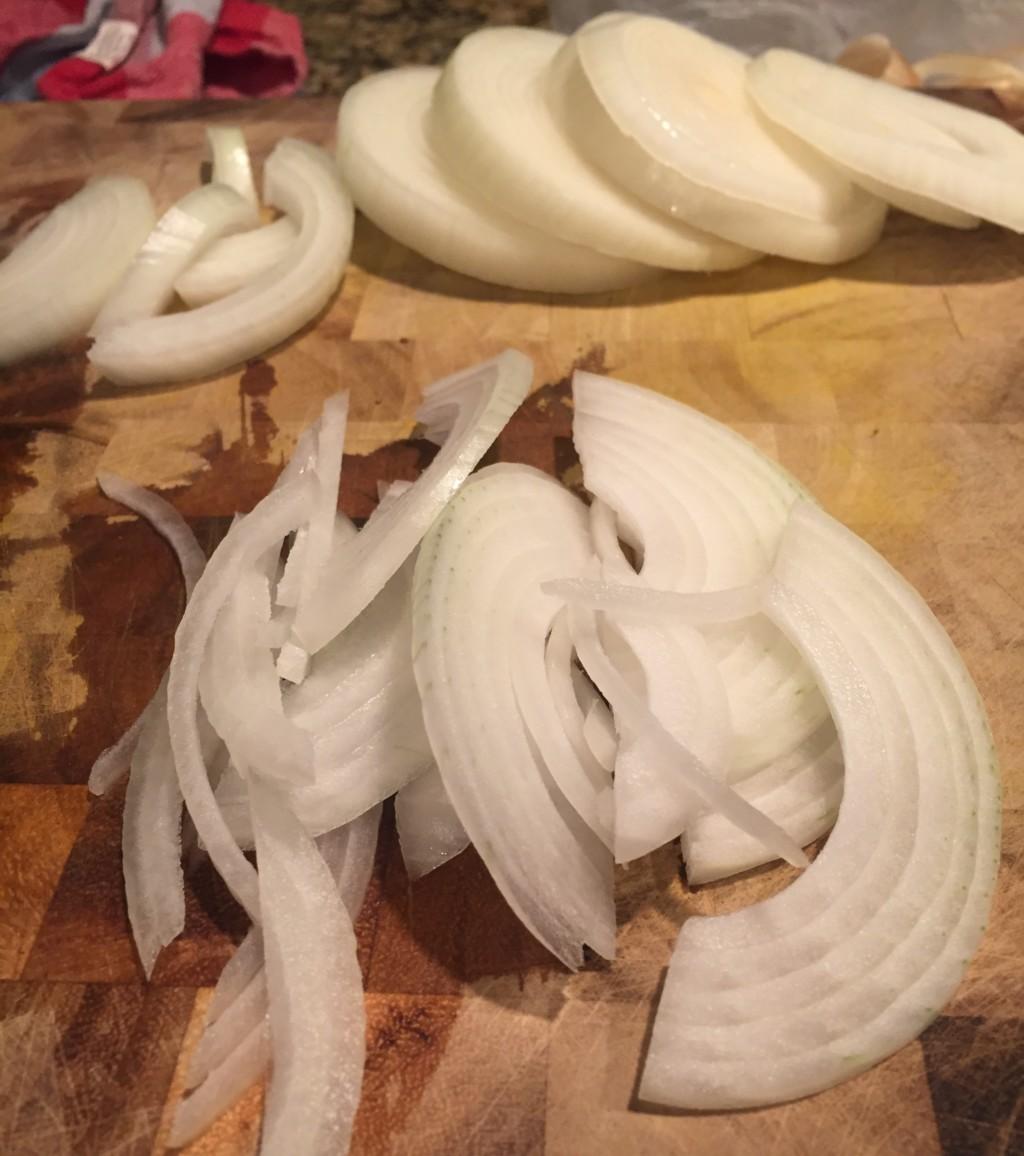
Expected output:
(21, 22)
(252, 50)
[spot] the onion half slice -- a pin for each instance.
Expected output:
(230, 161)
(429, 829)
(934, 159)
(399, 182)
(165, 519)
(233, 262)
(235, 1046)
(54, 283)
(300, 180)
(185, 231)
(705, 512)
(246, 542)
(859, 955)
(476, 601)
(492, 124)
(472, 407)
(665, 112)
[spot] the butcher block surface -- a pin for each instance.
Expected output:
(892, 387)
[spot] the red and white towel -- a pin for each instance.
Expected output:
(149, 49)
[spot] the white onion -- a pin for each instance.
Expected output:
(317, 1023)
(230, 160)
(182, 233)
(241, 694)
(476, 601)
(493, 125)
(398, 181)
(429, 830)
(481, 400)
(704, 511)
(599, 733)
(857, 957)
(233, 262)
(927, 156)
(697, 609)
(639, 719)
(319, 539)
(246, 542)
(230, 1044)
(113, 762)
(223, 1087)
(665, 112)
(360, 706)
(299, 179)
(54, 283)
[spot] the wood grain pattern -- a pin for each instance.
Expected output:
(893, 387)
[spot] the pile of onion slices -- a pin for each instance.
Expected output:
(697, 652)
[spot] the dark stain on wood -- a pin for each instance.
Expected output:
(405, 1042)
(450, 928)
(975, 1070)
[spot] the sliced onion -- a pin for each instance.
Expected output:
(492, 124)
(701, 609)
(151, 841)
(563, 680)
(241, 693)
(300, 180)
(230, 157)
(239, 1002)
(599, 732)
(233, 262)
(937, 160)
(638, 718)
(223, 1087)
(54, 283)
(319, 540)
(665, 112)
(272, 519)
(315, 989)
(360, 706)
(182, 234)
(704, 511)
(801, 792)
(398, 181)
(858, 956)
(165, 519)
(476, 601)
(482, 399)
(239, 971)
(429, 830)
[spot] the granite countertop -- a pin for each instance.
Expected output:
(345, 41)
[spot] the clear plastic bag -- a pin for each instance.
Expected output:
(918, 28)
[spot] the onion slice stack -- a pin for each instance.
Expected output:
(477, 603)
(398, 180)
(665, 112)
(857, 957)
(184, 232)
(705, 511)
(300, 180)
(83, 246)
(471, 408)
(948, 164)
(493, 124)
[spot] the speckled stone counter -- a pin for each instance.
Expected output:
(347, 39)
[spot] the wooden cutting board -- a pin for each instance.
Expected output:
(892, 387)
